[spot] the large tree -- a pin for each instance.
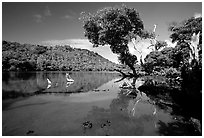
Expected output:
(115, 27)
(184, 34)
(188, 51)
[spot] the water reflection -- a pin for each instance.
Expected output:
(27, 84)
(95, 105)
(133, 114)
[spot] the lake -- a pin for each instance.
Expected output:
(94, 104)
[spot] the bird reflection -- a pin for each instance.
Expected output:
(68, 78)
(68, 84)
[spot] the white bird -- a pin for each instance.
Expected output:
(69, 79)
(69, 83)
(49, 83)
(155, 111)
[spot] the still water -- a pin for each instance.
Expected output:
(94, 104)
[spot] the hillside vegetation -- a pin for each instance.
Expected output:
(27, 57)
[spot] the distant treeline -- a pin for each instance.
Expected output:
(27, 57)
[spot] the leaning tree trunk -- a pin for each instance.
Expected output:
(133, 74)
(133, 70)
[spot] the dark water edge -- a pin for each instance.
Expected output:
(185, 104)
(95, 99)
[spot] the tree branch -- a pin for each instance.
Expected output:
(120, 72)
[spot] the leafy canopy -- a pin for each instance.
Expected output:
(115, 26)
(161, 59)
(182, 33)
(112, 25)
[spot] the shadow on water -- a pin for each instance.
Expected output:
(187, 109)
(178, 128)
(7, 76)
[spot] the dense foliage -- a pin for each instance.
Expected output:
(159, 60)
(115, 26)
(191, 72)
(26, 57)
(160, 44)
(177, 57)
(182, 71)
(182, 34)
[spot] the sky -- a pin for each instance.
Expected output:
(58, 22)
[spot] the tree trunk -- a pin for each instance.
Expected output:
(133, 69)
(124, 75)
(134, 74)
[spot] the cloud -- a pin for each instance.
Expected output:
(67, 17)
(197, 15)
(77, 43)
(38, 18)
(47, 11)
(70, 15)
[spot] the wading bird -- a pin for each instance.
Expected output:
(68, 77)
(49, 83)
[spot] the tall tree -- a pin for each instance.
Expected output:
(188, 35)
(115, 27)
(184, 34)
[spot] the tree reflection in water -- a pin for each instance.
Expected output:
(25, 84)
(131, 113)
(134, 112)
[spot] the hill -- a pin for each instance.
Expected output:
(27, 57)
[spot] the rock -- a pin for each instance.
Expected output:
(108, 121)
(87, 124)
(103, 125)
(96, 90)
(30, 132)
